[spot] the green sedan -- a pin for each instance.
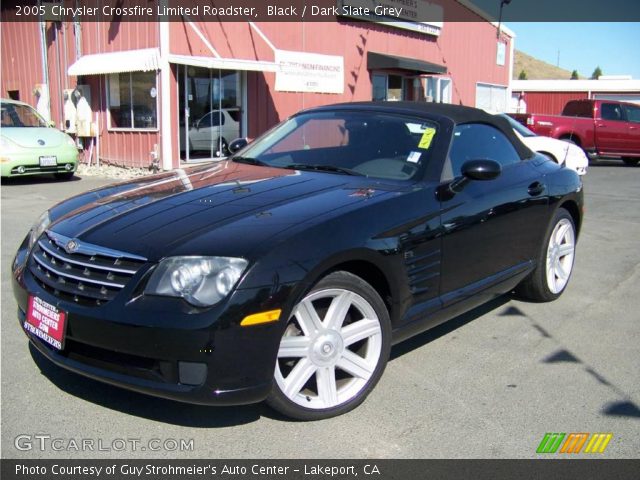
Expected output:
(28, 146)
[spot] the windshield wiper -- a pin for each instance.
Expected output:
(323, 168)
(250, 161)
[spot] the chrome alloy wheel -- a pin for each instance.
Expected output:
(330, 349)
(560, 254)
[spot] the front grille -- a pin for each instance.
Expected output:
(90, 275)
(60, 168)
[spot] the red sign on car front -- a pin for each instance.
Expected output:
(46, 322)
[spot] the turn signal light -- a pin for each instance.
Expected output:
(260, 318)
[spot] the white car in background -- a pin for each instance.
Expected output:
(561, 152)
(215, 130)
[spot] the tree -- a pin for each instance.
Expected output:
(596, 73)
(523, 75)
(574, 75)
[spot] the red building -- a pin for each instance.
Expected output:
(180, 91)
(550, 96)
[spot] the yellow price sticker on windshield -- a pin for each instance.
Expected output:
(427, 137)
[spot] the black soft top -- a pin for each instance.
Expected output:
(457, 113)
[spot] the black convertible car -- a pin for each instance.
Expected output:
(286, 272)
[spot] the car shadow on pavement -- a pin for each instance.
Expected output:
(35, 180)
(609, 162)
(145, 406)
(449, 326)
(620, 408)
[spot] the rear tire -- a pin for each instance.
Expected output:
(631, 161)
(333, 350)
(555, 261)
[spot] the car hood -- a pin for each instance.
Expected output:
(35, 137)
(226, 208)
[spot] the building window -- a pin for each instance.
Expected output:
(438, 89)
(379, 83)
(133, 101)
(388, 87)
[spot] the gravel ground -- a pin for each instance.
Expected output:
(111, 171)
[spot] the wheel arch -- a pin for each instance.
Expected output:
(363, 263)
(548, 154)
(575, 138)
(572, 207)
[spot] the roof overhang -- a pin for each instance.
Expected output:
(382, 61)
(144, 60)
(225, 63)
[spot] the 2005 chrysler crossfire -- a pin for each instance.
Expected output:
(287, 271)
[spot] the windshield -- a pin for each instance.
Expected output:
(16, 115)
(517, 126)
(371, 144)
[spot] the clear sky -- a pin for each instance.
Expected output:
(615, 47)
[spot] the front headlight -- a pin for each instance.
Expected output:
(38, 228)
(71, 142)
(201, 281)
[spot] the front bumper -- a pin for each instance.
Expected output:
(29, 159)
(153, 346)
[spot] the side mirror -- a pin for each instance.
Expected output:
(481, 169)
(237, 144)
(51, 124)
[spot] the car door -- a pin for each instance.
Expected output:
(612, 129)
(633, 126)
(491, 229)
(204, 135)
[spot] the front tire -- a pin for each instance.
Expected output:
(333, 350)
(555, 261)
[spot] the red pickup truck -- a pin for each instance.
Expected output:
(603, 128)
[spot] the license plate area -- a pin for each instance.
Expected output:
(48, 161)
(46, 322)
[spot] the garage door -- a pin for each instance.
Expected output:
(620, 97)
(492, 98)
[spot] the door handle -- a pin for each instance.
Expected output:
(536, 188)
(601, 125)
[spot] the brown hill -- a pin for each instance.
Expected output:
(537, 69)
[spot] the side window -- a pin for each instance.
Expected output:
(478, 141)
(211, 119)
(633, 113)
(611, 111)
(578, 109)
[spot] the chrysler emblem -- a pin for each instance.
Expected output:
(40, 141)
(71, 246)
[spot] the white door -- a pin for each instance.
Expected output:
(491, 98)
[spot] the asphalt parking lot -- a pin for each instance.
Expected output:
(488, 384)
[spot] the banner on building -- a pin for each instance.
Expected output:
(309, 72)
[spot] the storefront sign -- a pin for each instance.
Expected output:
(309, 72)
(416, 15)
